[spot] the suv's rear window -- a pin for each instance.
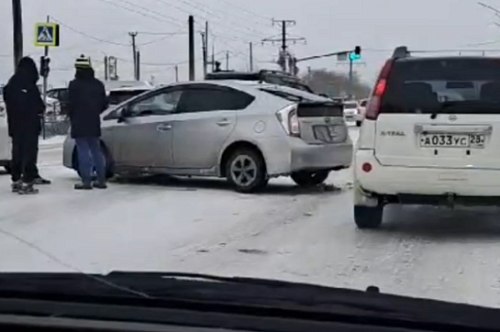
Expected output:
(443, 85)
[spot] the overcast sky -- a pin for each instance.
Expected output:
(100, 27)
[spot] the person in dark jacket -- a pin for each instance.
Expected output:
(87, 100)
(24, 107)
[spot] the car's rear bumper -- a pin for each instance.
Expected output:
(317, 157)
(285, 155)
(397, 180)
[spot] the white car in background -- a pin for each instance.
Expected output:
(350, 110)
(360, 116)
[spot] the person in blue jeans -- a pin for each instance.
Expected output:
(87, 100)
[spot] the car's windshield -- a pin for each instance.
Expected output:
(423, 85)
(266, 139)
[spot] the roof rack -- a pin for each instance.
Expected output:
(401, 52)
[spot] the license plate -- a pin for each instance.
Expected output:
(452, 141)
(330, 133)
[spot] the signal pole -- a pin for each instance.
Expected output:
(284, 40)
(17, 21)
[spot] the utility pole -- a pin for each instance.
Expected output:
(176, 73)
(204, 46)
(17, 21)
(106, 68)
(213, 57)
(284, 54)
(251, 56)
(133, 35)
(191, 49)
(138, 65)
(227, 60)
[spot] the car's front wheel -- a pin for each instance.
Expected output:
(310, 179)
(358, 123)
(368, 217)
(246, 171)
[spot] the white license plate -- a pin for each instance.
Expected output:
(452, 141)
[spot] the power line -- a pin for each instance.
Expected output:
(86, 34)
(145, 14)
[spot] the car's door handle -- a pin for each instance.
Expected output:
(224, 122)
(164, 127)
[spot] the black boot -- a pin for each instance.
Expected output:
(39, 180)
(27, 189)
(100, 185)
(16, 186)
(83, 186)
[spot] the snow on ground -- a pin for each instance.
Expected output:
(52, 141)
(287, 233)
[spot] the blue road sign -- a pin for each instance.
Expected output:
(47, 35)
(354, 57)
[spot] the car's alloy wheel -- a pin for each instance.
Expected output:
(310, 179)
(246, 171)
(368, 217)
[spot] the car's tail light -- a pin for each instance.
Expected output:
(373, 107)
(289, 120)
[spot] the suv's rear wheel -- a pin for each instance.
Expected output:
(246, 170)
(367, 217)
(310, 179)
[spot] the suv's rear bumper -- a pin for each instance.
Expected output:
(395, 180)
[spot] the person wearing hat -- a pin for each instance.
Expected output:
(24, 107)
(87, 100)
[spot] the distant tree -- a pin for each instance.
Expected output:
(335, 84)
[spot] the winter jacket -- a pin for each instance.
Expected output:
(24, 104)
(86, 101)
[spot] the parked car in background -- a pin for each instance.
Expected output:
(350, 110)
(245, 133)
(361, 111)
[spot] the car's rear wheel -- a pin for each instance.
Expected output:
(107, 163)
(310, 179)
(246, 171)
(368, 217)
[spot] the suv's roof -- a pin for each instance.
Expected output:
(449, 57)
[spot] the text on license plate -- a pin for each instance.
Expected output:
(453, 141)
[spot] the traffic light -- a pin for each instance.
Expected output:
(44, 66)
(356, 54)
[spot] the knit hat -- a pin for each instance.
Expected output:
(83, 62)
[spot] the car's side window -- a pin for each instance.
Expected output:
(206, 99)
(159, 104)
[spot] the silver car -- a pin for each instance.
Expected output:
(247, 133)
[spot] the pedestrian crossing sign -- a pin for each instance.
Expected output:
(47, 35)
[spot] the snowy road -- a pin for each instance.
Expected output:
(202, 226)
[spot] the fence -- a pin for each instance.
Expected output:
(55, 122)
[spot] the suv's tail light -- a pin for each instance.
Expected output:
(373, 107)
(289, 120)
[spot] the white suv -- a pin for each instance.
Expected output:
(431, 135)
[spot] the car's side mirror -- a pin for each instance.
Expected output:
(123, 114)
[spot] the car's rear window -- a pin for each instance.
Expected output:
(350, 105)
(427, 85)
